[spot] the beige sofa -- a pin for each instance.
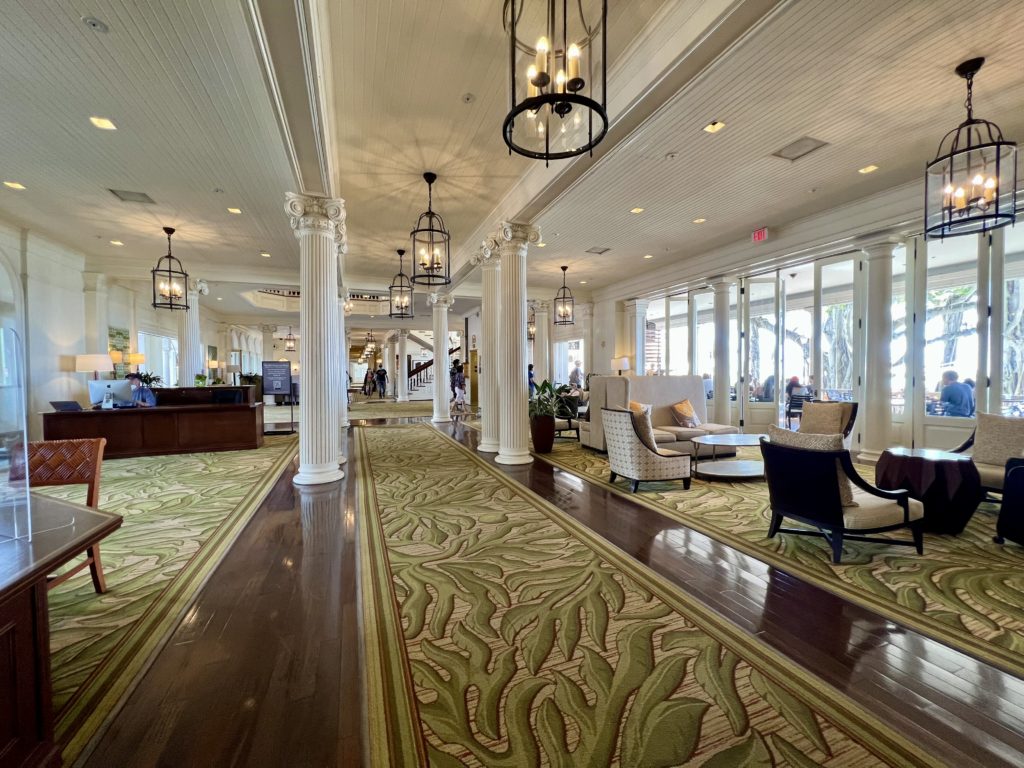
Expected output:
(660, 392)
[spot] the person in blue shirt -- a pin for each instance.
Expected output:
(530, 380)
(957, 398)
(141, 394)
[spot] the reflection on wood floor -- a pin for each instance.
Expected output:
(265, 669)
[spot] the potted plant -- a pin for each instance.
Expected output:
(542, 417)
(200, 379)
(150, 379)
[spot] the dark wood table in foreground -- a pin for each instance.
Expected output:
(948, 484)
(62, 531)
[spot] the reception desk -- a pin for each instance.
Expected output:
(185, 420)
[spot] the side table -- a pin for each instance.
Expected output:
(948, 484)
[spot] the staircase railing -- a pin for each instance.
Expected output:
(423, 373)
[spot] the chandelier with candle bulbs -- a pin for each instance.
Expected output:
(565, 305)
(400, 291)
(558, 60)
(289, 341)
(170, 280)
(971, 183)
(431, 244)
(531, 326)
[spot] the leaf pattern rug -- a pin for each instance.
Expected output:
(964, 591)
(181, 513)
(388, 409)
(501, 633)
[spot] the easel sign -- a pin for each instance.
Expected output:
(277, 380)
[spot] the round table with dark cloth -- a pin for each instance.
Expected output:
(948, 484)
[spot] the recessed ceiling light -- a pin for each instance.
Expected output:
(265, 254)
(583, 282)
(868, 169)
(636, 210)
(219, 298)
(714, 126)
(14, 185)
(103, 123)
(541, 245)
(116, 242)
(699, 221)
(234, 210)
(648, 255)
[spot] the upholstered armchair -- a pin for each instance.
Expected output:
(804, 485)
(630, 458)
(828, 417)
(995, 441)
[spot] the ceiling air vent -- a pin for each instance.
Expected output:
(597, 250)
(132, 197)
(799, 148)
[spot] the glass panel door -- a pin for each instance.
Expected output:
(797, 295)
(837, 332)
(704, 338)
(679, 335)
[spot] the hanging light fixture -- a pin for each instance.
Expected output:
(170, 280)
(971, 183)
(371, 343)
(565, 306)
(431, 242)
(347, 306)
(531, 326)
(400, 291)
(289, 341)
(559, 75)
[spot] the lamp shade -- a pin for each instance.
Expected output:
(90, 363)
(234, 369)
(135, 358)
(213, 364)
(620, 364)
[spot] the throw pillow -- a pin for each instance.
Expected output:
(642, 424)
(822, 419)
(998, 439)
(685, 415)
(816, 442)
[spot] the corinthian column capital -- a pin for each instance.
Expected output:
(316, 215)
(441, 299)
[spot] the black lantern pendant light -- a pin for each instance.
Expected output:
(371, 343)
(558, 62)
(289, 341)
(170, 280)
(531, 326)
(971, 183)
(400, 291)
(431, 244)
(565, 307)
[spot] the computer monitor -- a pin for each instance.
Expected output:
(121, 389)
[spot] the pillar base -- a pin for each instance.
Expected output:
(342, 461)
(869, 456)
(488, 447)
(402, 399)
(514, 458)
(318, 475)
(441, 419)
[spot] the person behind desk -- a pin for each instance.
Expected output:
(957, 398)
(141, 394)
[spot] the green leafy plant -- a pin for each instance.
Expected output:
(218, 380)
(545, 400)
(200, 379)
(150, 379)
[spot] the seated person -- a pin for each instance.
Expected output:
(956, 397)
(141, 394)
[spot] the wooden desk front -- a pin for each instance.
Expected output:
(162, 429)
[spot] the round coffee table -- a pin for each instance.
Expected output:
(715, 469)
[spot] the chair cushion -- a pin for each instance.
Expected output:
(669, 452)
(992, 475)
(718, 429)
(563, 424)
(642, 424)
(684, 414)
(822, 419)
(662, 435)
(684, 433)
(875, 512)
(998, 439)
(815, 442)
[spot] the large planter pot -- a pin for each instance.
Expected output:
(542, 430)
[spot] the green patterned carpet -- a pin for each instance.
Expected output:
(501, 633)
(181, 513)
(964, 591)
(388, 409)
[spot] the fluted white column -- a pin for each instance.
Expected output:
(342, 370)
(513, 442)
(877, 353)
(441, 302)
(319, 227)
(489, 262)
(191, 359)
(723, 349)
(542, 341)
(636, 319)
(402, 374)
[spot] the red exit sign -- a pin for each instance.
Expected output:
(760, 235)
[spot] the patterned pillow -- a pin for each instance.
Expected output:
(998, 439)
(822, 419)
(815, 442)
(642, 424)
(684, 414)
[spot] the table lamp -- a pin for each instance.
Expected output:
(94, 363)
(620, 364)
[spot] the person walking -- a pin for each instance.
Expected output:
(576, 376)
(368, 382)
(460, 390)
(452, 372)
(382, 381)
(530, 380)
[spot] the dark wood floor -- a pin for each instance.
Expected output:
(264, 670)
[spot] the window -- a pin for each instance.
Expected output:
(763, 340)
(161, 357)
(679, 335)
(837, 363)
(654, 339)
(799, 324)
(898, 347)
(1013, 324)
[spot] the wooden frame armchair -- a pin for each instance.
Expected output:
(795, 407)
(71, 462)
(567, 415)
(630, 458)
(804, 485)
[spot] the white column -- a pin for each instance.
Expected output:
(342, 370)
(441, 302)
(487, 355)
(97, 329)
(402, 374)
(319, 226)
(542, 342)
(513, 442)
(636, 319)
(191, 359)
(876, 405)
(723, 350)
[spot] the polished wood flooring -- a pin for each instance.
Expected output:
(264, 669)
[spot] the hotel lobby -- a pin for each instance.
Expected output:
(512, 383)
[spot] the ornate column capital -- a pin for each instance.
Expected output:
(441, 299)
(878, 247)
(517, 232)
(317, 215)
(403, 334)
(535, 306)
(639, 306)
(584, 311)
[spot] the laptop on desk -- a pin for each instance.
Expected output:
(65, 405)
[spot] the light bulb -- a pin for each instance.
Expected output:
(959, 198)
(531, 86)
(572, 63)
(977, 180)
(560, 81)
(541, 62)
(990, 189)
(949, 189)
(540, 128)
